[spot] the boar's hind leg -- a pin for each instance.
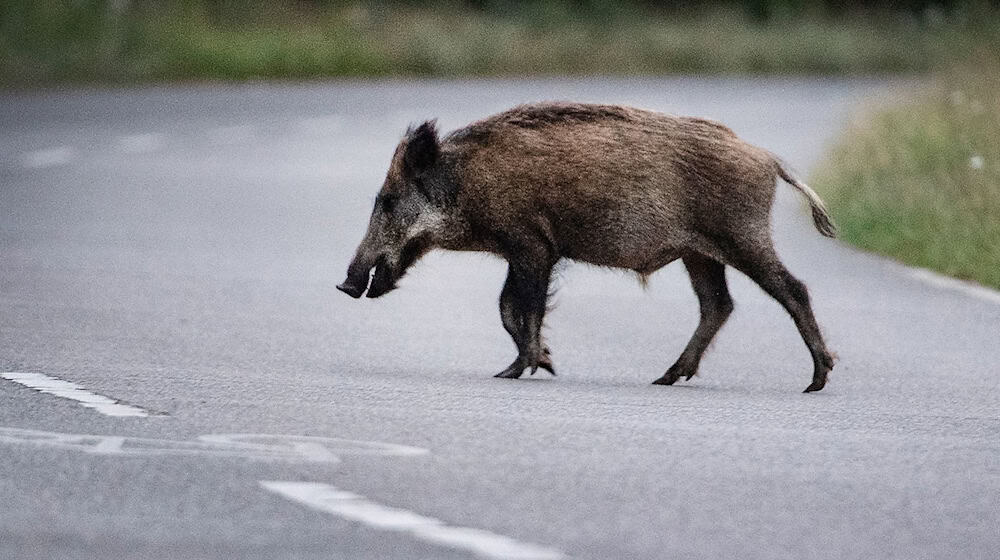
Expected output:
(522, 310)
(764, 268)
(709, 280)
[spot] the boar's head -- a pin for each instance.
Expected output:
(408, 218)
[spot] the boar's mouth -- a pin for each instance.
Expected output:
(385, 276)
(384, 279)
(358, 277)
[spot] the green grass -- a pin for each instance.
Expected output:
(56, 41)
(920, 181)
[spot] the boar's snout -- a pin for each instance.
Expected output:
(357, 279)
(353, 290)
(360, 278)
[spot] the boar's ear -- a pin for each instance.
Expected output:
(421, 155)
(422, 149)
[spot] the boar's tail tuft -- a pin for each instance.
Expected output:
(820, 215)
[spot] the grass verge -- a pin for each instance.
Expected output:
(920, 182)
(53, 41)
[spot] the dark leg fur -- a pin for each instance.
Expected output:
(766, 270)
(522, 310)
(708, 278)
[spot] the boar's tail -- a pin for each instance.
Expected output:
(820, 215)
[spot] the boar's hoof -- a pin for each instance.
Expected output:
(545, 361)
(516, 369)
(816, 385)
(546, 364)
(353, 290)
(513, 371)
(672, 375)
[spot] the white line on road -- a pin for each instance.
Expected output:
(66, 390)
(328, 499)
(313, 449)
(141, 143)
(967, 288)
(49, 157)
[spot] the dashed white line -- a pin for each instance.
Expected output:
(264, 447)
(328, 499)
(49, 157)
(109, 445)
(141, 143)
(953, 284)
(71, 391)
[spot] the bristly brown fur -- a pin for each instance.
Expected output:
(608, 185)
(535, 116)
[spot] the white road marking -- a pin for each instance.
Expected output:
(141, 143)
(248, 446)
(967, 288)
(329, 499)
(71, 391)
(227, 135)
(109, 445)
(49, 157)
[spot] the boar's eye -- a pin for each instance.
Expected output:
(388, 203)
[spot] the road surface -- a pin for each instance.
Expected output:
(168, 259)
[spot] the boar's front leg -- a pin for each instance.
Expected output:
(709, 280)
(522, 310)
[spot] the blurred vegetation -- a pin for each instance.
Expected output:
(51, 41)
(921, 181)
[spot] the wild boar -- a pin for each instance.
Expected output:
(607, 185)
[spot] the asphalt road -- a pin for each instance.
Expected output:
(176, 249)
